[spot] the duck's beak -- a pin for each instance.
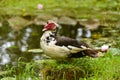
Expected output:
(44, 29)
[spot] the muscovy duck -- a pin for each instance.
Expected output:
(59, 47)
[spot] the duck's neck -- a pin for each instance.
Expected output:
(48, 38)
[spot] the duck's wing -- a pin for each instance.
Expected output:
(66, 41)
(77, 48)
(72, 44)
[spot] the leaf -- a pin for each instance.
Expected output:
(114, 51)
(36, 50)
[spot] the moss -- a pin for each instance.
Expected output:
(82, 68)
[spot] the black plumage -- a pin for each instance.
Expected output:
(66, 41)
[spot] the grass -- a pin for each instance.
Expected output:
(103, 68)
(73, 8)
(106, 11)
(22, 71)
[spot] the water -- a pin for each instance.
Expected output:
(14, 44)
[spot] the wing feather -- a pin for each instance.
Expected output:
(66, 41)
(77, 49)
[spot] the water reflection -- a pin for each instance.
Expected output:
(83, 33)
(14, 44)
(4, 54)
(4, 57)
(26, 36)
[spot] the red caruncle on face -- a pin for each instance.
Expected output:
(49, 26)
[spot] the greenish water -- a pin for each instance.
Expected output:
(14, 44)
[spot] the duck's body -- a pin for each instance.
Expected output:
(58, 47)
(50, 49)
(61, 47)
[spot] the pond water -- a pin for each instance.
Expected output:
(14, 44)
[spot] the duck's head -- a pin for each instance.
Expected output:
(50, 26)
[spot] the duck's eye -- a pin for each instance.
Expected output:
(52, 35)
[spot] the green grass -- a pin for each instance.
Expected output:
(22, 70)
(73, 8)
(102, 68)
(105, 68)
(104, 10)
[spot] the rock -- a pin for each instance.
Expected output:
(91, 24)
(67, 21)
(42, 19)
(17, 23)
